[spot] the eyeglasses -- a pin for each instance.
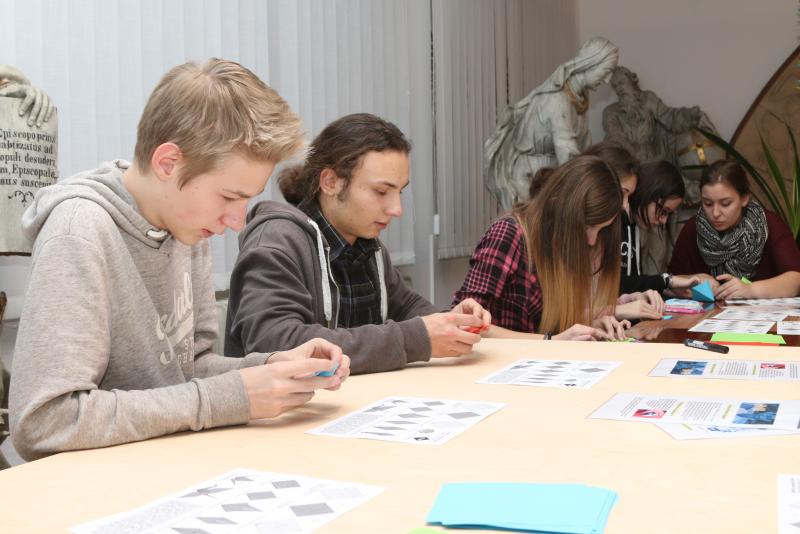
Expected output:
(662, 212)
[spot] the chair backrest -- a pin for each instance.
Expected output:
(222, 314)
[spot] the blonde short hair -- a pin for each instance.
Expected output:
(212, 110)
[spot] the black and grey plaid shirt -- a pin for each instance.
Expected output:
(353, 271)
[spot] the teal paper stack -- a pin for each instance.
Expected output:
(563, 508)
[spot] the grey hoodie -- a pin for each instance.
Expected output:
(283, 294)
(115, 337)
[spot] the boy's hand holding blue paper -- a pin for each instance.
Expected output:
(702, 292)
(329, 372)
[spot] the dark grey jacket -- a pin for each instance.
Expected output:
(282, 294)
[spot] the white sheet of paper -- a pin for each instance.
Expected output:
(788, 301)
(788, 504)
(739, 314)
(784, 415)
(242, 500)
(791, 328)
(552, 373)
(739, 327)
(681, 431)
(736, 369)
(419, 420)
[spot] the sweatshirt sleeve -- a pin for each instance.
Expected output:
(633, 283)
(781, 246)
(497, 257)
(273, 303)
(61, 357)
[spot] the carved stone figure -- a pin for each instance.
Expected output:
(28, 153)
(651, 130)
(34, 102)
(548, 126)
(641, 122)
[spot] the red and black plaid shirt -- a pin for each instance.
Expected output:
(500, 280)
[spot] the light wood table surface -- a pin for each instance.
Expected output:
(542, 435)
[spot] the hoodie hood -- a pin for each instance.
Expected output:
(271, 210)
(102, 186)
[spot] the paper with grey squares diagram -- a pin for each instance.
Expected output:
(241, 501)
(552, 373)
(739, 327)
(739, 314)
(419, 420)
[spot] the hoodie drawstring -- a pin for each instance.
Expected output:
(327, 301)
(384, 300)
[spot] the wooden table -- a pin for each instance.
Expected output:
(542, 435)
(676, 329)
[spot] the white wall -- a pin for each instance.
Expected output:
(717, 54)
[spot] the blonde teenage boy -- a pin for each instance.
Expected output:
(119, 319)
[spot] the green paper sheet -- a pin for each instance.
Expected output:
(748, 338)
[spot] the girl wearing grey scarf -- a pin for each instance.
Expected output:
(736, 251)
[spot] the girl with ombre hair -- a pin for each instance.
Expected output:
(551, 267)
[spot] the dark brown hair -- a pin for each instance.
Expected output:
(581, 193)
(340, 147)
(538, 181)
(729, 172)
(658, 181)
(618, 158)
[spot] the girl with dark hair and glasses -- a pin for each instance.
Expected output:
(658, 195)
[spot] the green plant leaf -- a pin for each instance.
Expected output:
(795, 183)
(777, 176)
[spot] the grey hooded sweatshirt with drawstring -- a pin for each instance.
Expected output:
(115, 336)
(283, 294)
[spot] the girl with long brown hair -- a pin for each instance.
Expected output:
(552, 266)
(742, 249)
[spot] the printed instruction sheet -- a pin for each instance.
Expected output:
(683, 431)
(745, 314)
(242, 501)
(735, 369)
(419, 420)
(787, 301)
(740, 327)
(552, 373)
(756, 413)
(788, 504)
(790, 328)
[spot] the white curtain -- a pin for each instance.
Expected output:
(100, 59)
(486, 55)
(459, 61)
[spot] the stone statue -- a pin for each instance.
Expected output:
(34, 102)
(641, 122)
(548, 126)
(28, 153)
(651, 130)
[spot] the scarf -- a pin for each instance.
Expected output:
(736, 251)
